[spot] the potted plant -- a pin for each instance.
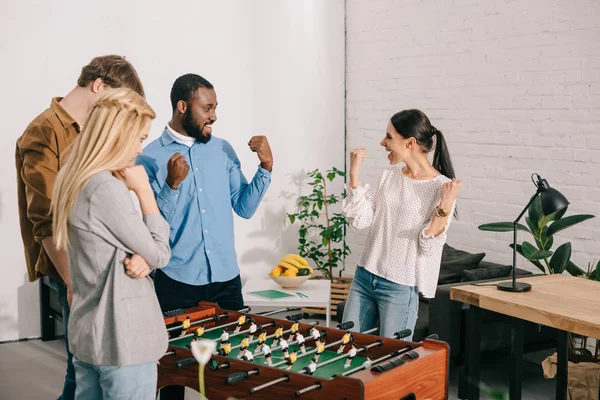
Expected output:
(542, 229)
(322, 233)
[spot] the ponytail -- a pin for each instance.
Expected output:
(441, 156)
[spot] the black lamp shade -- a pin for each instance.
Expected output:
(552, 201)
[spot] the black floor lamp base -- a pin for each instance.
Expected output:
(519, 287)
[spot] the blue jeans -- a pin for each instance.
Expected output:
(376, 301)
(100, 382)
(68, 392)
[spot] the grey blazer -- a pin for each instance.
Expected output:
(115, 320)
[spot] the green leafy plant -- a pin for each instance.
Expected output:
(592, 273)
(321, 234)
(543, 228)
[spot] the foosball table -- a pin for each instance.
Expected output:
(259, 357)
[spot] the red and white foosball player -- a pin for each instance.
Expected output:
(314, 332)
(252, 329)
(345, 340)
(351, 355)
(312, 367)
(241, 321)
(284, 346)
(224, 336)
(267, 353)
(291, 359)
(278, 336)
(247, 356)
(185, 325)
(300, 340)
(320, 348)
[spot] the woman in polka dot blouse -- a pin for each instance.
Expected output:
(408, 213)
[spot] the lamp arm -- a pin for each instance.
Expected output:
(514, 264)
(527, 206)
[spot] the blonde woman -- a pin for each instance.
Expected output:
(116, 329)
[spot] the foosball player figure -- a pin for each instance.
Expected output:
(199, 332)
(314, 332)
(262, 339)
(312, 367)
(367, 364)
(320, 348)
(244, 345)
(247, 355)
(278, 336)
(291, 359)
(224, 336)
(345, 340)
(225, 349)
(300, 340)
(241, 321)
(295, 327)
(267, 353)
(284, 347)
(185, 325)
(351, 355)
(253, 328)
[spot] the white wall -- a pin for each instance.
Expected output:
(277, 66)
(513, 85)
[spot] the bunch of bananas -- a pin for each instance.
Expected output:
(292, 265)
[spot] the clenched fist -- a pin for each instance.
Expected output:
(260, 145)
(449, 193)
(177, 170)
(134, 177)
(136, 267)
(357, 156)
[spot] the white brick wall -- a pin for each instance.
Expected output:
(513, 85)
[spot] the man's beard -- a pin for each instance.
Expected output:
(192, 130)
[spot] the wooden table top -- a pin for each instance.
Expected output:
(560, 301)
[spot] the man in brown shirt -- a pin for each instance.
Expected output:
(41, 152)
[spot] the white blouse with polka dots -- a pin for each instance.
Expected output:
(398, 212)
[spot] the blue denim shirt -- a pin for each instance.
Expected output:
(199, 212)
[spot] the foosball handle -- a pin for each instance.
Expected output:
(296, 317)
(239, 376)
(346, 325)
(403, 333)
(185, 362)
(433, 337)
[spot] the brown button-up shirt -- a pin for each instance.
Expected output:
(40, 153)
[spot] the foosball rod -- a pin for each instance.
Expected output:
(314, 323)
(213, 318)
(387, 356)
(184, 362)
(276, 381)
(207, 330)
(346, 325)
(398, 335)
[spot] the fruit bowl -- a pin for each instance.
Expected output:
(290, 282)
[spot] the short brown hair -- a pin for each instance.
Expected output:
(115, 71)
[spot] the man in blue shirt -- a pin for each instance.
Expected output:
(198, 181)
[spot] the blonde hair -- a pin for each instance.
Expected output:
(105, 143)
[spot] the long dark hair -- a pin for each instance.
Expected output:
(414, 123)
